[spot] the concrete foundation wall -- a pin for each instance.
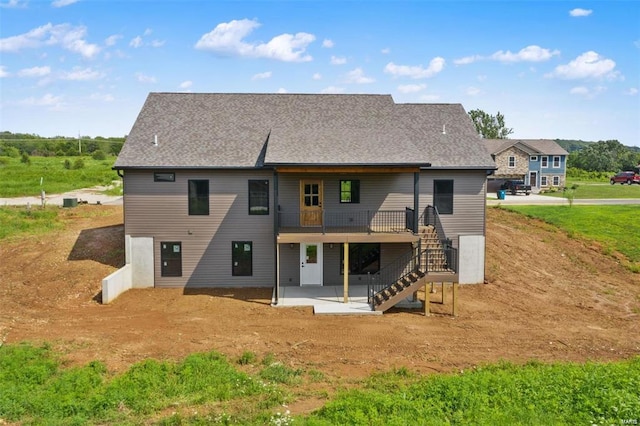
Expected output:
(471, 250)
(116, 284)
(141, 259)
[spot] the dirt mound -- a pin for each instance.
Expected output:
(548, 297)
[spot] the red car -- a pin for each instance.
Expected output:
(625, 177)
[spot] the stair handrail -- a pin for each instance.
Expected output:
(398, 269)
(432, 217)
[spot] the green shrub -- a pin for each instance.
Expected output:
(67, 164)
(25, 159)
(247, 358)
(78, 164)
(99, 155)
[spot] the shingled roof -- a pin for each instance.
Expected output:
(211, 130)
(530, 146)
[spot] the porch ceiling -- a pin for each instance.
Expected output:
(315, 237)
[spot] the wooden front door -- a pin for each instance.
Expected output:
(311, 202)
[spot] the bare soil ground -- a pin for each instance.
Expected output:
(548, 297)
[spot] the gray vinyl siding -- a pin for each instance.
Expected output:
(160, 210)
(377, 191)
(290, 263)
(469, 199)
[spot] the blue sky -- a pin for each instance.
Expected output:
(558, 69)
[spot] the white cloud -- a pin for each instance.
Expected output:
(282, 90)
(580, 90)
(3, 72)
(64, 35)
(385, 51)
(473, 91)
(317, 76)
(35, 72)
(528, 54)
(467, 60)
(157, 43)
(481, 77)
(332, 89)
(327, 43)
(632, 91)
(588, 65)
(62, 3)
(227, 39)
(79, 74)
(357, 76)
(580, 12)
(147, 32)
(136, 42)
(143, 78)
(14, 4)
(262, 76)
(185, 85)
(429, 98)
(112, 40)
(338, 60)
(416, 72)
(47, 100)
(411, 88)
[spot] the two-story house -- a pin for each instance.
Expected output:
(541, 163)
(276, 190)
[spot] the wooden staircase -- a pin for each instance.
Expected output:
(398, 291)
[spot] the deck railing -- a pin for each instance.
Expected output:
(361, 221)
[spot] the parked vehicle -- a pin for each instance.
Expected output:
(625, 177)
(516, 186)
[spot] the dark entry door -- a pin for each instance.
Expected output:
(171, 259)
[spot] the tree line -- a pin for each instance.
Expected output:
(17, 144)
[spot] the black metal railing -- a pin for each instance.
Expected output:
(327, 221)
(400, 268)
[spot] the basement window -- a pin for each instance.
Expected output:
(364, 258)
(242, 258)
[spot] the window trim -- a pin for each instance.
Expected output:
(554, 162)
(193, 199)
(256, 209)
(449, 195)
(353, 193)
(544, 161)
(234, 272)
(157, 176)
(509, 161)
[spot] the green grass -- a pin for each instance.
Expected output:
(20, 179)
(616, 227)
(503, 394)
(600, 190)
(205, 388)
(17, 221)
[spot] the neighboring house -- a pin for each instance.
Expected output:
(273, 190)
(541, 163)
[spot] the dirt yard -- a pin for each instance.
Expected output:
(548, 297)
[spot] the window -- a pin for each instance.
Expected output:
(350, 191)
(556, 181)
(543, 181)
(198, 197)
(545, 161)
(512, 161)
(259, 197)
(443, 196)
(171, 259)
(556, 162)
(242, 258)
(164, 177)
(363, 258)
(533, 158)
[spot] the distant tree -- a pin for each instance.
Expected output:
(489, 126)
(603, 156)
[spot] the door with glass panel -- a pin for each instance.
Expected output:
(311, 202)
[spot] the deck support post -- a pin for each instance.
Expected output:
(346, 273)
(455, 299)
(427, 298)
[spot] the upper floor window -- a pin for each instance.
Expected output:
(164, 177)
(533, 158)
(545, 161)
(443, 196)
(350, 191)
(556, 161)
(198, 197)
(512, 161)
(259, 197)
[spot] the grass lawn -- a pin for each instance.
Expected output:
(597, 190)
(207, 388)
(616, 227)
(20, 179)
